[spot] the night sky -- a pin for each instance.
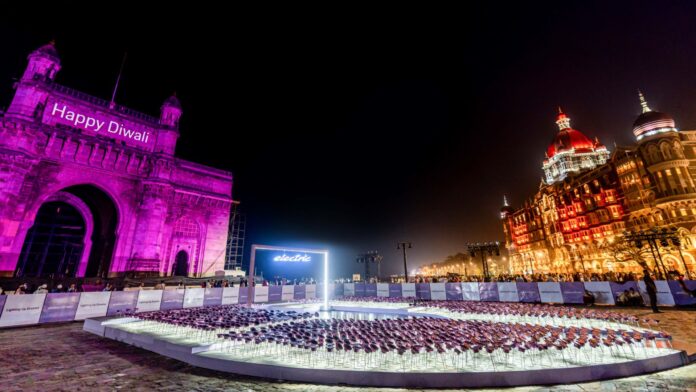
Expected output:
(357, 128)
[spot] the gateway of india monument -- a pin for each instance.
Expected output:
(89, 188)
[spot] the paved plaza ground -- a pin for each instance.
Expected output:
(63, 357)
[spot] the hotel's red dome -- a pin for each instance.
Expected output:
(568, 138)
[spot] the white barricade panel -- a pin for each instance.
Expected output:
(602, 292)
(230, 295)
(437, 291)
(193, 297)
(349, 289)
(382, 289)
(550, 292)
(288, 293)
(22, 309)
(92, 304)
(260, 294)
(507, 292)
(470, 291)
(149, 300)
(408, 290)
(311, 291)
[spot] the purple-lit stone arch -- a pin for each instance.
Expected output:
(119, 205)
(87, 216)
(186, 236)
(71, 194)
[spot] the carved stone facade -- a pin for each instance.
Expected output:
(121, 181)
(565, 226)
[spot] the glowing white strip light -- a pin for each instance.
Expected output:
(326, 280)
(656, 131)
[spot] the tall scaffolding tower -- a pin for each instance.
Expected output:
(235, 238)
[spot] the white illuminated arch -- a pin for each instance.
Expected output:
(324, 252)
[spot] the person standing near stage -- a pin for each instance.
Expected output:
(651, 289)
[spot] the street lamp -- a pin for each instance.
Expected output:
(482, 249)
(404, 246)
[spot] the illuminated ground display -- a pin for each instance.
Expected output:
(402, 344)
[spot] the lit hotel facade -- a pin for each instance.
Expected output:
(590, 197)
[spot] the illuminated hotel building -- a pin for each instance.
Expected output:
(589, 197)
(91, 188)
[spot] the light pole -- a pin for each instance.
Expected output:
(403, 246)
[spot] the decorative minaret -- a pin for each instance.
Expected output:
(171, 112)
(169, 125)
(643, 102)
(562, 120)
(31, 93)
(506, 208)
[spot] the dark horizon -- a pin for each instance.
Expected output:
(359, 130)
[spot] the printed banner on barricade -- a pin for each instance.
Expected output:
(528, 292)
(601, 292)
(59, 307)
(230, 295)
(394, 290)
(383, 289)
(260, 294)
(664, 294)
(453, 291)
(507, 292)
(339, 290)
(618, 288)
(360, 289)
(22, 309)
(172, 299)
(423, 290)
(680, 296)
(438, 292)
(122, 302)
(149, 300)
(552, 292)
(300, 292)
(573, 292)
(488, 291)
(349, 289)
(470, 291)
(193, 297)
(275, 293)
(212, 296)
(310, 291)
(288, 293)
(243, 295)
(93, 304)
(371, 289)
(408, 290)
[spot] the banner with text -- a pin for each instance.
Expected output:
(93, 304)
(59, 307)
(22, 309)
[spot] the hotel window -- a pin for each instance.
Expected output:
(659, 174)
(668, 172)
(682, 211)
(693, 211)
(674, 214)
